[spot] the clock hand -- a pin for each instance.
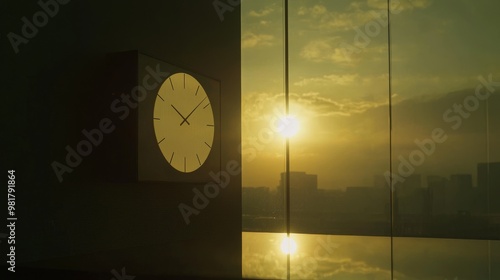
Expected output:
(184, 119)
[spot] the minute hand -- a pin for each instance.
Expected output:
(180, 114)
(185, 120)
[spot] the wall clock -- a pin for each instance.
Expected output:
(183, 122)
(179, 125)
(172, 133)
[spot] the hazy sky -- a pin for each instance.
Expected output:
(339, 87)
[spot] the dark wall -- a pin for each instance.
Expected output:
(55, 86)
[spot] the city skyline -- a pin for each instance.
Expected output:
(379, 180)
(447, 207)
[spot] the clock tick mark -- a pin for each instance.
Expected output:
(184, 164)
(171, 157)
(161, 140)
(196, 93)
(170, 79)
(198, 159)
(208, 145)
(206, 106)
(184, 80)
(210, 125)
(160, 97)
(156, 118)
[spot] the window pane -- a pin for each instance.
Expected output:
(445, 259)
(339, 94)
(262, 105)
(443, 135)
(442, 117)
(262, 147)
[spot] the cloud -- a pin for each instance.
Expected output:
(258, 106)
(320, 105)
(420, 3)
(378, 4)
(315, 11)
(261, 13)
(352, 130)
(318, 17)
(251, 40)
(329, 80)
(265, 22)
(349, 269)
(322, 50)
(355, 6)
(344, 51)
(399, 5)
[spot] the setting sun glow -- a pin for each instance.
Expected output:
(288, 126)
(288, 246)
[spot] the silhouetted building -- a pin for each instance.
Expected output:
(300, 181)
(460, 193)
(410, 196)
(303, 191)
(410, 184)
(437, 194)
(366, 200)
(488, 183)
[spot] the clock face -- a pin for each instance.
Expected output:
(183, 122)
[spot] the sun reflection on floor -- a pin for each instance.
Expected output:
(288, 246)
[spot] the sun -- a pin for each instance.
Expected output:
(288, 126)
(288, 246)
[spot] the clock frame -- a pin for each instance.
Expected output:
(153, 164)
(136, 155)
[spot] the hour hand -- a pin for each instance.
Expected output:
(184, 119)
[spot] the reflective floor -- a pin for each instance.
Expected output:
(361, 257)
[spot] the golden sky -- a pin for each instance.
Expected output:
(339, 87)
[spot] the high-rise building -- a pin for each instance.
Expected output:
(488, 175)
(410, 196)
(460, 193)
(488, 183)
(303, 190)
(410, 184)
(300, 181)
(437, 194)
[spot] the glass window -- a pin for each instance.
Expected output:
(392, 163)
